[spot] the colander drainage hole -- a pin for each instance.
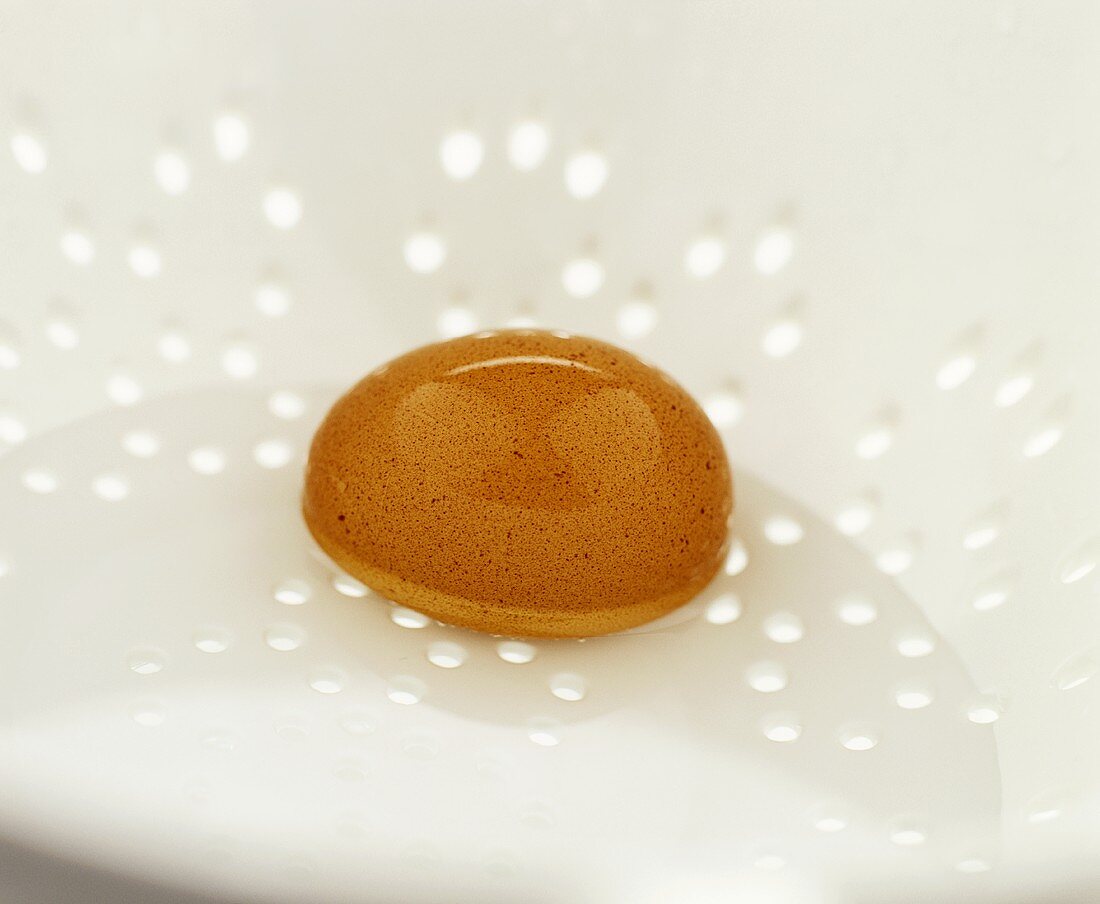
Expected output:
(446, 654)
(286, 404)
(145, 661)
(783, 530)
(724, 609)
(212, 639)
(515, 651)
(328, 681)
(284, 637)
(406, 690)
(293, 592)
(568, 686)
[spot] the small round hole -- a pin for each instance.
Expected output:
(172, 172)
(78, 247)
(914, 646)
(148, 713)
(122, 389)
(767, 677)
(859, 738)
(895, 561)
(29, 152)
(286, 405)
(291, 728)
(350, 770)
(293, 592)
(231, 137)
(12, 430)
(283, 208)
(212, 640)
(737, 559)
(955, 372)
(724, 408)
(636, 319)
(284, 637)
(425, 252)
(173, 347)
(111, 487)
(724, 609)
(857, 612)
(207, 460)
(240, 361)
(782, 729)
(784, 627)
(989, 598)
(328, 681)
(585, 174)
(461, 154)
(409, 618)
(10, 354)
(783, 531)
(145, 661)
(357, 722)
(62, 333)
(980, 537)
(406, 690)
(515, 651)
(874, 443)
(421, 745)
(907, 837)
(1076, 670)
(983, 714)
(272, 299)
(1079, 562)
(913, 696)
(1041, 442)
(528, 143)
(219, 740)
(782, 338)
(41, 481)
(1013, 390)
(456, 321)
(273, 453)
(582, 277)
(854, 519)
(346, 585)
(145, 261)
(568, 686)
(773, 250)
(704, 257)
(1044, 808)
(446, 654)
(544, 732)
(141, 443)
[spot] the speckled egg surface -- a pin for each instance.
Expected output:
(522, 482)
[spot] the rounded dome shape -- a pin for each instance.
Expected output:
(522, 482)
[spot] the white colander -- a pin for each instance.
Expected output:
(863, 234)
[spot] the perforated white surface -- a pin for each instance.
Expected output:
(863, 237)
